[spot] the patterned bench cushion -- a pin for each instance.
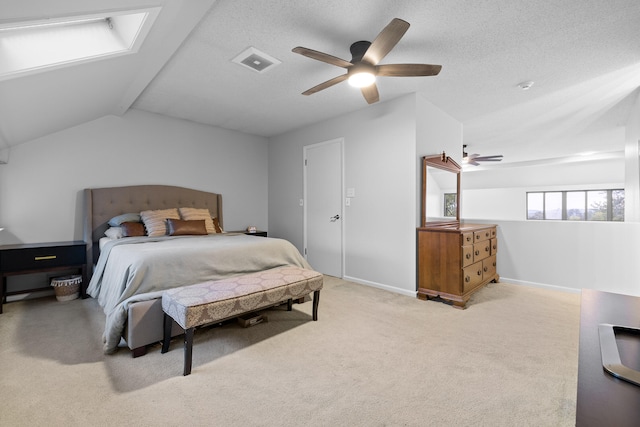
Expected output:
(208, 302)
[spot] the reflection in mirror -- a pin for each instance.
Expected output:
(441, 195)
(440, 190)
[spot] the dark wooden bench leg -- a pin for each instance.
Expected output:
(289, 304)
(166, 336)
(139, 351)
(188, 347)
(316, 300)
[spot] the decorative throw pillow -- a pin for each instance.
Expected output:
(125, 217)
(155, 221)
(189, 214)
(178, 227)
(132, 229)
(216, 225)
(114, 232)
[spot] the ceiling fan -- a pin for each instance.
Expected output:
(475, 159)
(363, 67)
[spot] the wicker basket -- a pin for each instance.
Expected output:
(66, 287)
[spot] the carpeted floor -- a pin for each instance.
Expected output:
(373, 358)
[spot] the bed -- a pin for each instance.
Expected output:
(129, 275)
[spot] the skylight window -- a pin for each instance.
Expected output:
(31, 46)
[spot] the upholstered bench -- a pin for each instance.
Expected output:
(204, 303)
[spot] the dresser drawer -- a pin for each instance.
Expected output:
(481, 235)
(489, 267)
(471, 277)
(26, 257)
(494, 246)
(467, 238)
(481, 250)
(467, 255)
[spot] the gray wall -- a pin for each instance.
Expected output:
(40, 187)
(382, 145)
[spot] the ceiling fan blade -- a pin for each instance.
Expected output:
(325, 85)
(408, 70)
(495, 158)
(386, 40)
(370, 93)
(320, 56)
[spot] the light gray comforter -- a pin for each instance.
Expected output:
(141, 268)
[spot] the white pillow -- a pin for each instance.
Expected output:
(155, 221)
(126, 217)
(114, 232)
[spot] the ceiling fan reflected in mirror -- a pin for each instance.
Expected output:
(364, 66)
(475, 159)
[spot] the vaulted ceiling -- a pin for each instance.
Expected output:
(582, 55)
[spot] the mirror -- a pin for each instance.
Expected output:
(440, 190)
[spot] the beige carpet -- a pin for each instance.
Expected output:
(374, 358)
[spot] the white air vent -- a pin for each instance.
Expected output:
(257, 61)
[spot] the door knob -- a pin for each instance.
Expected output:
(334, 218)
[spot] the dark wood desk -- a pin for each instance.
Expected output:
(604, 400)
(41, 257)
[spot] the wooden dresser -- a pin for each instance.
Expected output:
(454, 261)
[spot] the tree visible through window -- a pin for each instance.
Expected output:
(588, 205)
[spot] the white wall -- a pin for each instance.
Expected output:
(632, 163)
(568, 255)
(436, 132)
(41, 186)
(380, 164)
(501, 193)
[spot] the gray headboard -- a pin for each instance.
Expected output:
(102, 204)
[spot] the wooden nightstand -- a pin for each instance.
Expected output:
(256, 233)
(41, 257)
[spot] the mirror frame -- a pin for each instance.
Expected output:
(444, 162)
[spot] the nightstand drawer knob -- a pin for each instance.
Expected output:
(45, 257)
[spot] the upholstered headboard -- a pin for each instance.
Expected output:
(102, 204)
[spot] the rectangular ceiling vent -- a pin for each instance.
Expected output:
(255, 60)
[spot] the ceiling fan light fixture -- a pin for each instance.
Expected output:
(362, 79)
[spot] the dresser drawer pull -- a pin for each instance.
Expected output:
(45, 257)
(467, 279)
(486, 249)
(479, 272)
(468, 256)
(477, 252)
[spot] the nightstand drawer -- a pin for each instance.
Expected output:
(41, 256)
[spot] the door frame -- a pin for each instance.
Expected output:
(342, 195)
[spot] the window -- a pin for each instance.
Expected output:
(31, 46)
(588, 205)
(450, 201)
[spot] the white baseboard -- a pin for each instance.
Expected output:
(502, 279)
(381, 286)
(540, 285)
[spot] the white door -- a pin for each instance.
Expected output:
(323, 215)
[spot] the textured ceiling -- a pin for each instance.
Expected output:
(583, 55)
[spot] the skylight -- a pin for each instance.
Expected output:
(35, 45)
